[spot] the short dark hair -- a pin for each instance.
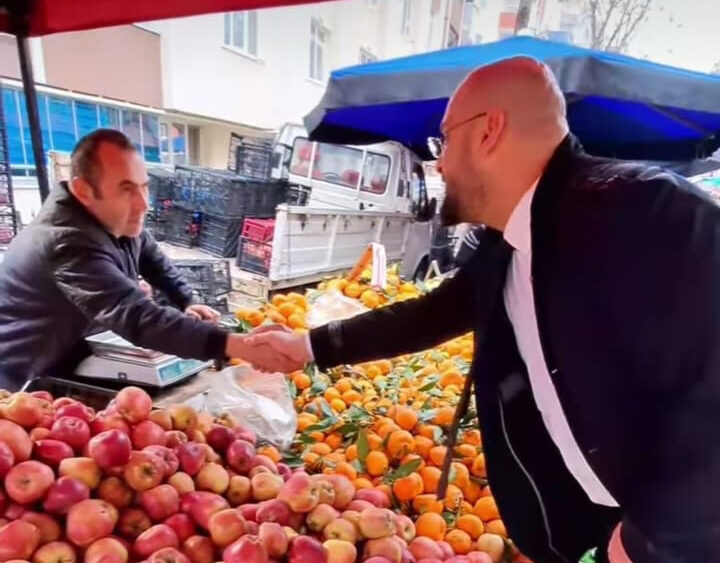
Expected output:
(84, 161)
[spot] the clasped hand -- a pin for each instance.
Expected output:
(271, 348)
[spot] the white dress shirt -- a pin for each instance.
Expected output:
(520, 306)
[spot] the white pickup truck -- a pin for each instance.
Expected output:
(342, 199)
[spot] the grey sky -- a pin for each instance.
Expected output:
(682, 33)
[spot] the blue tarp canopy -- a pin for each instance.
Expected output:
(617, 106)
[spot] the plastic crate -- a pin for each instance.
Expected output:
(297, 195)
(269, 196)
(253, 160)
(260, 230)
(7, 227)
(219, 235)
(254, 256)
(207, 277)
(183, 226)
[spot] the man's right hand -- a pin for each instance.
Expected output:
(270, 348)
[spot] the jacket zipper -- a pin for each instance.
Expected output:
(546, 522)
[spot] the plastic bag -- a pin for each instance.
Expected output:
(332, 306)
(259, 401)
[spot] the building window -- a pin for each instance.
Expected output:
(367, 56)
(318, 38)
(241, 31)
(406, 16)
(64, 120)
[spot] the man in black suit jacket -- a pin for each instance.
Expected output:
(595, 300)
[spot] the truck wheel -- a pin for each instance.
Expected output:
(421, 270)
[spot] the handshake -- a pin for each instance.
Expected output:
(271, 348)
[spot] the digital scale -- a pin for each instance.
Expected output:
(114, 358)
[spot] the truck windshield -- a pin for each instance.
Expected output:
(341, 165)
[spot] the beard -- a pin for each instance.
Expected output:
(450, 211)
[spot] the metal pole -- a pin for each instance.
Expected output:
(20, 28)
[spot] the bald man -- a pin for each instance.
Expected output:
(594, 295)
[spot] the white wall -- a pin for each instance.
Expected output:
(202, 77)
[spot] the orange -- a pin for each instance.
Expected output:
(305, 420)
(460, 474)
(472, 491)
(338, 405)
(486, 509)
(331, 393)
(431, 525)
(298, 300)
(353, 289)
(388, 428)
(310, 458)
(437, 455)
(465, 508)
(460, 541)
(451, 377)
(376, 463)
(407, 488)
(405, 417)
(453, 348)
(478, 466)
(427, 503)
(472, 437)
(301, 380)
(423, 446)
(385, 366)
(373, 372)
(352, 397)
(271, 452)
(453, 498)
(362, 483)
(431, 478)
(467, 452)
(296, 320)
(374, 441)
(286, 309)
(471, 524)
(334, 440)
(370, 298)
(317, 436)
(412, 457)
(344, 468)
(428, 430)
(255, 318)
(444, 416)
(351, 452)
(321, 448)
(276, 318)
(496, 527)
(334, 458)
(344, 384)
(400, 443)
(278, 299)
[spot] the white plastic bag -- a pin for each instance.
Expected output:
(259, 401)
(332, 306)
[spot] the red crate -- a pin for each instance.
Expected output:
(259, 230)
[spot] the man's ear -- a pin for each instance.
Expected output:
(495, 122)
(82, 191)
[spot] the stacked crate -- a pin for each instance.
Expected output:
(8, 218)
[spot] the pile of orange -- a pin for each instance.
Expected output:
(383, 424)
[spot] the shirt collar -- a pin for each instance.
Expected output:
(517, 230)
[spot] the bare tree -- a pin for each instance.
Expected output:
(614, 22)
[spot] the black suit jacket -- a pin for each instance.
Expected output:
(626, 280)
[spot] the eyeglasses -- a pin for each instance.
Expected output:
(436, 145)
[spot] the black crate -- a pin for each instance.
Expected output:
(298, 195)
(253, 160)
(269, 196)
(219, 234)
(254, 256)
(183, 226)
(207, 277)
